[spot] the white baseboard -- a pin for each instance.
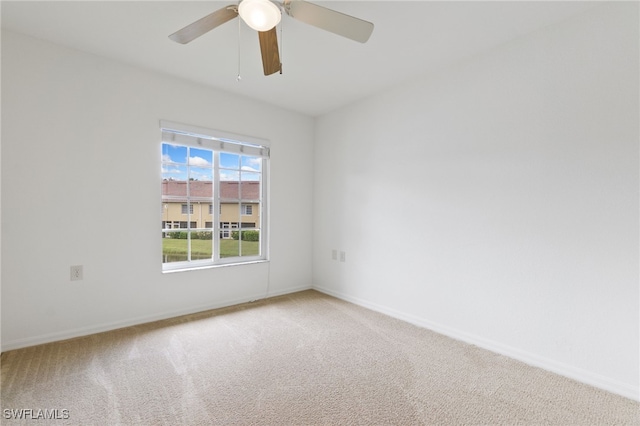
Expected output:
(85, 331)
(288, 291)
(578, 374)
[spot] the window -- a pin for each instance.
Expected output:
(213, 179)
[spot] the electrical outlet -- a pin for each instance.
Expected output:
(343, 256)
(76, 273)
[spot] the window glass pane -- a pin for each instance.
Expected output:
(229, 161)
(172, 172)
(200, 157)
(199, 174)
(229, 191)
(174, 153)
(229, 248)
(201, 245)
(229, 175)
(225, 230)
(250, 243)
(174, 246)
(229, 212)
(201, 185)
(251, 164)
(174, 196)
(199, 216)
(250, 177)
(229, 245)
(250, 190)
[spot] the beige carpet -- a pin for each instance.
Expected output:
(304, 358)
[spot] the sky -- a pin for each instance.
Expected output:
(182, 162)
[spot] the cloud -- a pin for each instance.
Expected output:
(253, 161)
(172, 171)
(224, 175)
(233, 176)
(166, 158)
(199, 162)
(250, 169)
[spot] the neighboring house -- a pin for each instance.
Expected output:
(239, 205)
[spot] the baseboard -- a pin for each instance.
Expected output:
(578, 374)
(288, 291)
(85, 331)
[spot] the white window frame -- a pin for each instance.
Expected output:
(219, 141)
(244, 207)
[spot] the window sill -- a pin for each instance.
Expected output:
(220, 265)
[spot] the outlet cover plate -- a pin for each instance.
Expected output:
(76, 272)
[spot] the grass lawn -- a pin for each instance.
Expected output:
(201, 249)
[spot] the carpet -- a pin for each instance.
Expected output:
(300, 359)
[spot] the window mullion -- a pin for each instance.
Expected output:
(188, 190)
(215, 239)
(262, 211)
(239, 205)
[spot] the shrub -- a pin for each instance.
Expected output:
(246, 235)
(202, 235)
(175, 235)
(251, 235)
(183, 235)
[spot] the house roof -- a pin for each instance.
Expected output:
(176, 190)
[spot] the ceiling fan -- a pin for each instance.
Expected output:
(264, 15)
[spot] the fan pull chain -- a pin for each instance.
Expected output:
(239, 31)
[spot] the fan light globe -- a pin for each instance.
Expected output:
(261, 15)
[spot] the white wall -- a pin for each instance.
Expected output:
(497, 202)
(81, 186)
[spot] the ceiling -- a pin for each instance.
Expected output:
(321, 71)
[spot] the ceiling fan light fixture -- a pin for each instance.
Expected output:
(261, 15)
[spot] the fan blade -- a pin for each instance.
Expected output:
(329, 20)
(204, 25)
(269, 48)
